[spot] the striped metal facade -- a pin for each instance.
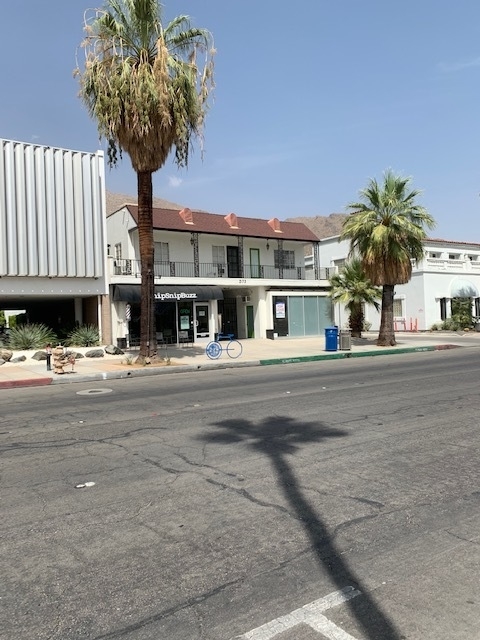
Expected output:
(52, 212)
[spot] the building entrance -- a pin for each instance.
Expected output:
(202, 332)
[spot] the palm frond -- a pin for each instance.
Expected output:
(352, 287)
(386, 227)
(143, 84)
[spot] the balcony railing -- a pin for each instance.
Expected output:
(127, 267)
(445, 264)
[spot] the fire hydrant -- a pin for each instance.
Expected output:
(59, 360)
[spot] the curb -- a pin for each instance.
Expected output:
(362, 354)
(29, 382)
(154, 371)
(210, 366)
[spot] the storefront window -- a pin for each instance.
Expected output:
(301, 315)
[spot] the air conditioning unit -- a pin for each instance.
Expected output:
(246, 299)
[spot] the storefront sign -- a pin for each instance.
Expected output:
(181, 295)
(280, 310)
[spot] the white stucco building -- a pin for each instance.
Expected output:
(449, 270)
(217, 274)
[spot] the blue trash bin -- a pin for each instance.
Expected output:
(331, 339)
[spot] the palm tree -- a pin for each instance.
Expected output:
(353, 289)
(387, 229)
(148, 93)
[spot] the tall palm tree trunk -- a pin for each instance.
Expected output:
(145, 238)
(386, 336)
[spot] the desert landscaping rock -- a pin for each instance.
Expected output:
(39, 355)
(95, 353)
(6, 354)
(112, 350)
(18, 359)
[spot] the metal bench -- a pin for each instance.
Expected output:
(225, 336)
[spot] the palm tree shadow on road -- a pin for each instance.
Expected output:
(277, 438)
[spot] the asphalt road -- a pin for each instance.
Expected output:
(226, 501)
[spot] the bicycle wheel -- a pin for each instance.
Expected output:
(234, 349)
(213, 350)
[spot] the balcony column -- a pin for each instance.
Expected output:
(280, 258)
(316, 260)
(196, 263)
(241, 257)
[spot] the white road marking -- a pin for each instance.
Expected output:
(329, 629)
(311, 615)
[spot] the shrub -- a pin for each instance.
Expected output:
(30, 336)
(458, 323)
(462, 312)
(84, 336)
(451, 324)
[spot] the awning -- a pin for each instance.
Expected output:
(168, 292)
(462, 288)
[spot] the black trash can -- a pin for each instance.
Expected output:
(270, 334)
(331, 339)
(122, 343)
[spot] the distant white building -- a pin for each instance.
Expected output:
(449, 270)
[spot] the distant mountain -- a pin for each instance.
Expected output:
(115, 201)
(323, 226)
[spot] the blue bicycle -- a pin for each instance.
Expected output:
(214, 349)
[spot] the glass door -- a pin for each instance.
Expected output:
(202, 332)
(254, 263)
(233, 262)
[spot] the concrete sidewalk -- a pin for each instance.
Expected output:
(255, 352)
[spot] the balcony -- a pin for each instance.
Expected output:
(454, 266)
(127, 267)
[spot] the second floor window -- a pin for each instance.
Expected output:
(284, 259)
(162, 253)
(218, 255)
(118, 251)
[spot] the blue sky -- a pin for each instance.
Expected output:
(312, 99)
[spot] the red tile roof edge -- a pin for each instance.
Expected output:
(213, 223)
(462, 242)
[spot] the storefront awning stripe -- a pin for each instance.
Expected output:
(168, 292)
